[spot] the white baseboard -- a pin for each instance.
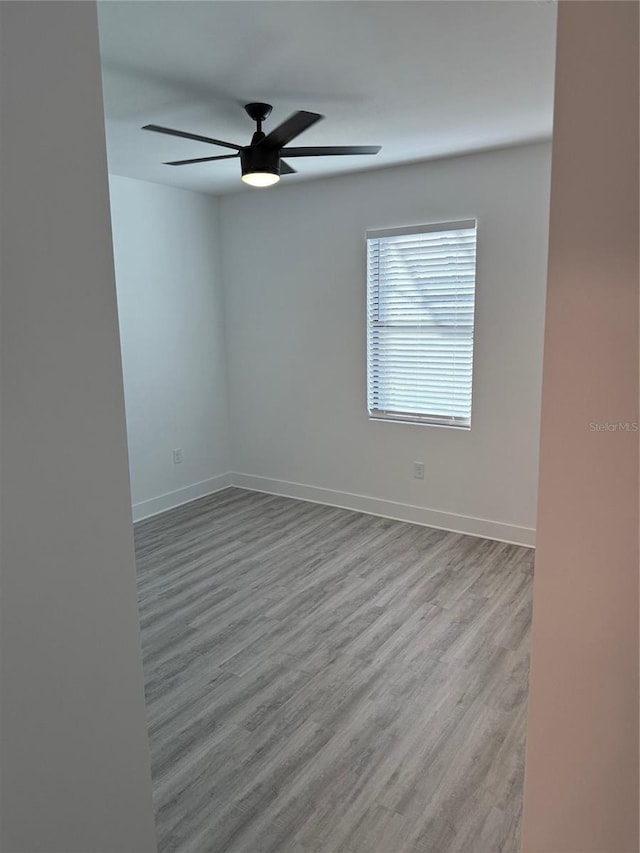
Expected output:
(470, 525)
(170, 500)
(391, 509)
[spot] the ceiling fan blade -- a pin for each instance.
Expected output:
(201, 160)
(331, 150)
(181, 133)
(285, 168)
(290, 128)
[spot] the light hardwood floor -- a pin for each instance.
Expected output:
(322, 680)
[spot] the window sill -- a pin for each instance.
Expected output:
(419, 423)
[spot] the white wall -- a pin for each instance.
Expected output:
(74, 757)
(294, 277)
(171, 324)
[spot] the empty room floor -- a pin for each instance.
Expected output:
(324, 681)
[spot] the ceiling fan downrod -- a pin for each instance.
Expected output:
(258, 112)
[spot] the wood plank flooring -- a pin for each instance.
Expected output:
(322, 681)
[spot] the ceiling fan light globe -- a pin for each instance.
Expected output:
(261, 179)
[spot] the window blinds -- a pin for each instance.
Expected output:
(420, 315)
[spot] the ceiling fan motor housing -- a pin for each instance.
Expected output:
(259, 159)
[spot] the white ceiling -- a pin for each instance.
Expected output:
(422, 79)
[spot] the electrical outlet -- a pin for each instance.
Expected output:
(418, 470)
(177, 456)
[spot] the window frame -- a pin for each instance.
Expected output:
(417, 418)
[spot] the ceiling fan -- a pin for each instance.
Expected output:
(261, 161)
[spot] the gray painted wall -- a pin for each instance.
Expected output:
(74, 753)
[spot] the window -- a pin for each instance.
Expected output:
(420, 308)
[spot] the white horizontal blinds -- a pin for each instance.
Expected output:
(421, 289)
